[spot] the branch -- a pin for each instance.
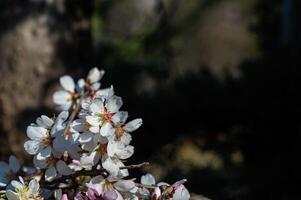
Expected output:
(72, 117)
(93, 172)
(135, 166)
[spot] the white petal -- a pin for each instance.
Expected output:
(80, 86)
(12, 195)
(63, 168)
(85, 137)
(107, 92)
(89, 159)
(36, 132)
(122, 173)
(94, 129)
(107, 130)
(32, 147)
(126, 138)
(97, 106)
(93, 120)
(124, 185)
(110, 166)
(148, 179)
(50, 173)
(89, 146)
(125, 152)
(67, 83)
(181, 194)
(44, 121)
(42, 164)
(95, 86)
(78, 125)
(17, 185)
(133, 125)
(95, 75)
(62, 97)
(58, 194)
(111, 148)
(34, 186)
(113, 104)
(120, 117)
(44, 154)
(14, 165)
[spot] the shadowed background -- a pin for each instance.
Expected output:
(216, 82)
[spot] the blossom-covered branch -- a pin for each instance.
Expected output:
(81, 155)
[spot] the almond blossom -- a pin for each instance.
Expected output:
(89, 164)
(8, 171)
(23, 191)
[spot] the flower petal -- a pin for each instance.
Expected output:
(50, 173)
(44, 154)
(12, 195)
(62, 97)
(63, 168)
(124, 185)
(67, 83)
(107, 130)
(85, 137)
(148, 179)
(36, 132)
(34, 186)
(17, 185)
(95, 75)
(32, 147)
(133, 125)
(113, 104)
(97, 106)
(93, 120)
(45, 122)
(120, 117)
(14, 165)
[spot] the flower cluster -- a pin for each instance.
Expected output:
(80, 153)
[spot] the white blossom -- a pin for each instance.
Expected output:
(8, 170)
(23, 191)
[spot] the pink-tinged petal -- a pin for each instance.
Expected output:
(67, 83)
(64, 197)
(110, 195)
(181, 194)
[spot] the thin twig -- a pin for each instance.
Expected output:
(135, 166)
(72, 116)
(145, 186)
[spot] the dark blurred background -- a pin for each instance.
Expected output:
(216, 82)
